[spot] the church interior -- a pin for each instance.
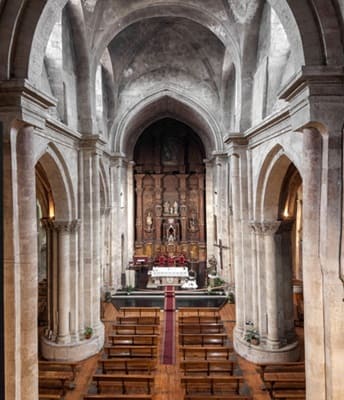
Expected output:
(173, 199)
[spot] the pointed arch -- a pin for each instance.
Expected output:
(60, 182)
(271, 177)
(165, 103)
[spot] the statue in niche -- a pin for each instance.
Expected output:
(149, 221)
(171, 234)
(193, 222)
(166, 207)
(175, 207)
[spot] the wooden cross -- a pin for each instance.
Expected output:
(221, 247)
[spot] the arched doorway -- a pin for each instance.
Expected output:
(291, 209)
(169, 181)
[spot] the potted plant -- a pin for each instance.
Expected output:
(252, 334)
(88, 332)
(107, 297)
(129, 289)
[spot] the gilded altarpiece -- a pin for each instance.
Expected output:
(169, 176)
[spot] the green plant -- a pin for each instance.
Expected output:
(88, 332)
(231, 298)
(129, 288)
(218, 281)
(251, 334)
(107, 297)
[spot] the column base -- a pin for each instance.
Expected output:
(76, 351)
(263, 353)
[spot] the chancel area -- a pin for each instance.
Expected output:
(172, 178)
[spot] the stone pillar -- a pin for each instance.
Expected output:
(20, 262)
(63, 228)
(269, 230)
(237, 246)
(313, 277)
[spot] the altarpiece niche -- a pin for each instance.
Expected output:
(169, 176)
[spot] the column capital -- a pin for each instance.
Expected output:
(66, 226)
(265, 227)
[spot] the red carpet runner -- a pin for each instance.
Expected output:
(168, 343)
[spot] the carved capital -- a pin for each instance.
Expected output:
(265, 227)
(67, 226)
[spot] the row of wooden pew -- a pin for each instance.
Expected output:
(55, 378)
(130, 357)
(207, 358)
(284, 381)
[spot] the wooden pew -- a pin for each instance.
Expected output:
(298, 366)
(207, 367)
(134, 340)
(50, 396)
(54, 380)
(126, 384)
(127, 366)
(136, 320)
(282, 384)
(131, 351)
(140, 311)
(289, 395)
(210, 385)
(201, 328)
(108, 396)
(228, 396)
(206, 352)
(128, 329)
(71, 366)
(198, 311)
(199, 319)
(203, 339)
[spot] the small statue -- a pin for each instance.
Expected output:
(212, 270)
(166, 207)
(175, 207)
(149, 221)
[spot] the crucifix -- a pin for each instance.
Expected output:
(221, 247)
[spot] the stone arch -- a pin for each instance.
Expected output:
(270, 181)
(60, 182)
(166, 103)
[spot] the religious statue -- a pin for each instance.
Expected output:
(166, 207)
(212, 270)
(175, 207)
(149, 221)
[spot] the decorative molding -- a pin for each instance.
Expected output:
(243, 10)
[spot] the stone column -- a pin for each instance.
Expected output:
(20, 262)
(237, 245)
(74, 280)
(313, 277)
(269, 230)
(63, 228)
(158, 207)
(48, 224)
